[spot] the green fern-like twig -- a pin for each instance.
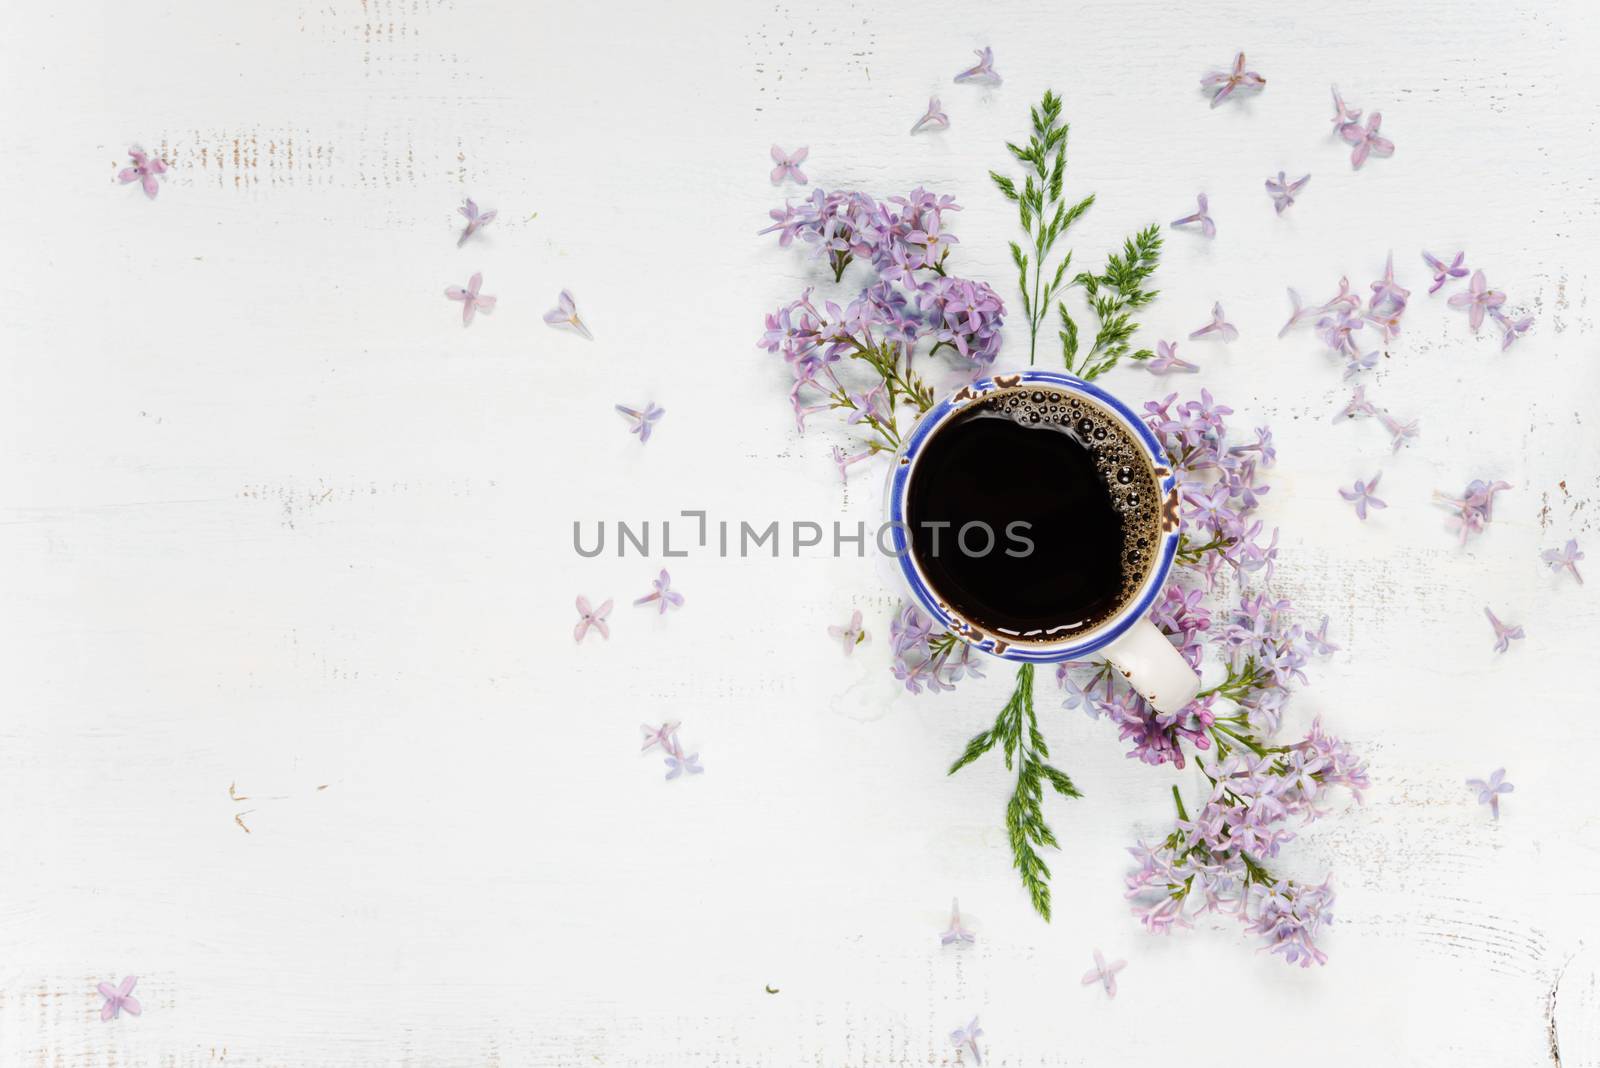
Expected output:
(1045, 215)
(1016, 730)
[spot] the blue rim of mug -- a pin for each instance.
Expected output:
(1031, 652)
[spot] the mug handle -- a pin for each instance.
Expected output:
(1153, 666)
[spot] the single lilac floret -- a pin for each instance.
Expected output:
(1504, 633)
(1564, 559)
(1489, 790)
(1283, 191)
(1218, 325)
(1202, 216)
(1361, 494)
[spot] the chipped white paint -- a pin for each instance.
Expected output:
(274, 519)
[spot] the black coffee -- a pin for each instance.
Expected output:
(1070, 500)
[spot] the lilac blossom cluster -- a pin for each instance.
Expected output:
(912, 300)
(923, 660)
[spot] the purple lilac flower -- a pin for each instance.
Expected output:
(1361, 494)
(1443, 272)
(1504, 633)
(932, 119)
(642, 421)
(956, 933)
(850, 635)
(1366, 140)
(788, 165)
(1166, 360)
(1399, 433)
(842, 461)
(1343, 116)
(1386, 293)
(663, 595)
(1283, 191)
(983, 72)
(1358, 405)
(1565, 559)
(119, 998)
(1489, 791)
(1290, 916)
(1337, 330)
(1474, 508)
(1224, 83)
(1202, 216)
(1218, 325)
(591, 617)
(1510, 329)
(471, 302)
(1478, 299)
(1355, 364)
(965, 315)
(476, 220)
(678, 764)
(1318, 639)
(966, 1038)
(565, 313)
(1104, 974)
(1301, 312)
(144, 171)
(665, 736)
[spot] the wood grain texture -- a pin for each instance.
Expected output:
(274, 520)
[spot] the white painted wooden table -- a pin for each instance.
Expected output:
(272, 518)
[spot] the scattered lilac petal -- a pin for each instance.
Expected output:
(119, 999)
(1399, 433)
(1201, 216)
(1318, 639)
(1342, 303)
(471, 302)
(1343, 116)
(843, 461)
(666, 736)
(1489, 791)
(851, 635)
(966, 1039)
(1354, 364)
(1361, 494)
(1510, 329)
(1443, 272)
(1224, 83)
(1358, 405)
(955, 932)
(663, 595)
(678, 764)
(565, 313)
(591, 617)
(788, 164)
(1283, 191)
(1386, 291)
(1565, 559)
(1104, 974)
(476, 220)
(1478, 299)
(983, 72)
(1219, 325)
(144, 171)
(1474, 508)
(1166, 360)
(932, 119)
(1366, 140)
(1504, 633)
(643, 421)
